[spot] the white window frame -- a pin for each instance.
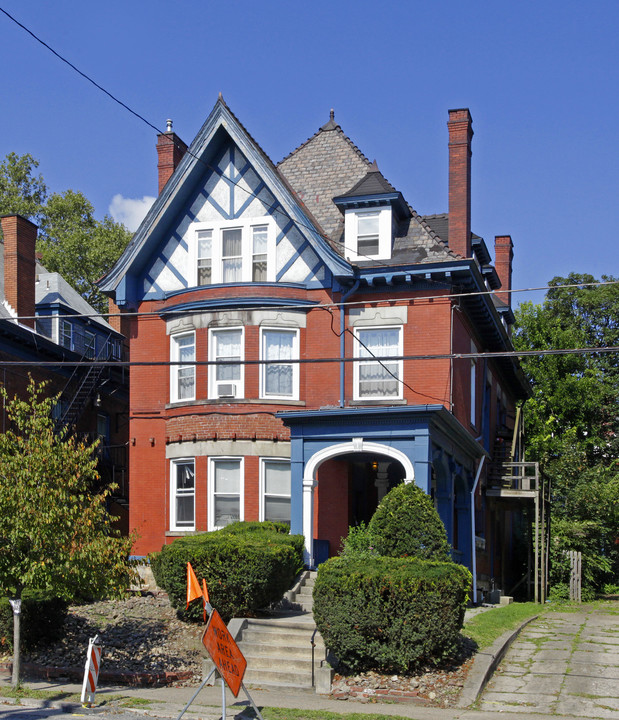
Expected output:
(263, 494)
(175, 370)
(214, 385)
(358, 353)
(294, 395)
(176, 494)
(211, 488)
(62, 325)
(247, 248)
(90, 344)
(351, 233)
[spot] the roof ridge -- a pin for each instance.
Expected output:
(426, 226)
(330, 126)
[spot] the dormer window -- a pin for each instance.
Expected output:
(368, 234)
(235, 251)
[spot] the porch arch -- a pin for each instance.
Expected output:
(356, 445)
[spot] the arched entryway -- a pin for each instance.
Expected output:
(357, 447)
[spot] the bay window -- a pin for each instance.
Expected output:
(278, 378)
(378, 379)
(226, 350)
(182, 495)
(183, 372)
(225, 492)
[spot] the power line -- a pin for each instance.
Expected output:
(174, 310)
(314, 361)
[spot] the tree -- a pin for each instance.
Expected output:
(55, 532)
(79, 247)
(71, 241)
(572, 420)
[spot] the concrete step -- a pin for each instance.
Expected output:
(290, 653)
(278, 678)
(279, 637)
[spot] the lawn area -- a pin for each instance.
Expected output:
(485, 627)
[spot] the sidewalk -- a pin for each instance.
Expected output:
(564, 662)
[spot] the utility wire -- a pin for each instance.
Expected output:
(163, 312)
(304, 361)
(179, 145)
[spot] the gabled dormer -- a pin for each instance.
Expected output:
(372, 209)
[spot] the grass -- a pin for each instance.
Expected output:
(271, 713)
(483, 629)
(23, 691)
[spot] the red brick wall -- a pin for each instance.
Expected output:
(20, 237)
(331, 504)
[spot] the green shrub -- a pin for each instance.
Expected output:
(247, 566)
(406, 524)
(390, 614)
(359, 543)
(42, 621)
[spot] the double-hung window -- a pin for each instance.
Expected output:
(183, 369)
(368, 233)
(235, 251)
(182, 495)
(225, 492)
(378, 379)
(275, 483)
(279, 378)
(65, 333)
(90, 340)
(226, 350)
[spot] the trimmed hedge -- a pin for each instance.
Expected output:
(42, 621)
(406, 524)
(390, 614)
(247, 566)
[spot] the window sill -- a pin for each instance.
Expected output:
(234, 401)
(182, 533)
(390, 401)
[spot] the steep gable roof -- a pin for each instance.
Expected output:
(220, 127)
(329, 165)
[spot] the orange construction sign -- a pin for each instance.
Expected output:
(224, 652)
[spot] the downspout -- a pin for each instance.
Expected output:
(473, 548)
(343, 299)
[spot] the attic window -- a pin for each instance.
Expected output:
(236, 251)
(368, 234)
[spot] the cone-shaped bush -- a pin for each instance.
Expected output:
(406, 524)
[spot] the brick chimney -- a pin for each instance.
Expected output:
(170, 150)
(503, 257)
(20, 236)
(460, 126)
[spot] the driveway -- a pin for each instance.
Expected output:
(563, 663)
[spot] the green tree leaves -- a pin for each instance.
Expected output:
(55, 532)
(71, 241)
(572, 420)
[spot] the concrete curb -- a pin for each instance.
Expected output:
(485, 664)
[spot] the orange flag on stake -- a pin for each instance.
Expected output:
(193, 586)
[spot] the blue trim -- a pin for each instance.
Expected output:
(153, 286)
(232, 178)
(216, 205)
(284, 231)
(314, 270)
(296, 256)
(250, 198)
(236, 302)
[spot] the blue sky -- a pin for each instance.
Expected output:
(540, 79)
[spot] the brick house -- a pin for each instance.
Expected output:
(50, 333)
(312, 342)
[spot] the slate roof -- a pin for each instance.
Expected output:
(330, 165)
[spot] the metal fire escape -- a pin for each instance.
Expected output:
(513, 482)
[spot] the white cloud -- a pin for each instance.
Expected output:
(130, 211)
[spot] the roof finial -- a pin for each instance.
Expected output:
(220, 96)
(332, 114)
(169, 125)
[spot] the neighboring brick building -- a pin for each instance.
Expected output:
(44, 321)
(271, 290)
